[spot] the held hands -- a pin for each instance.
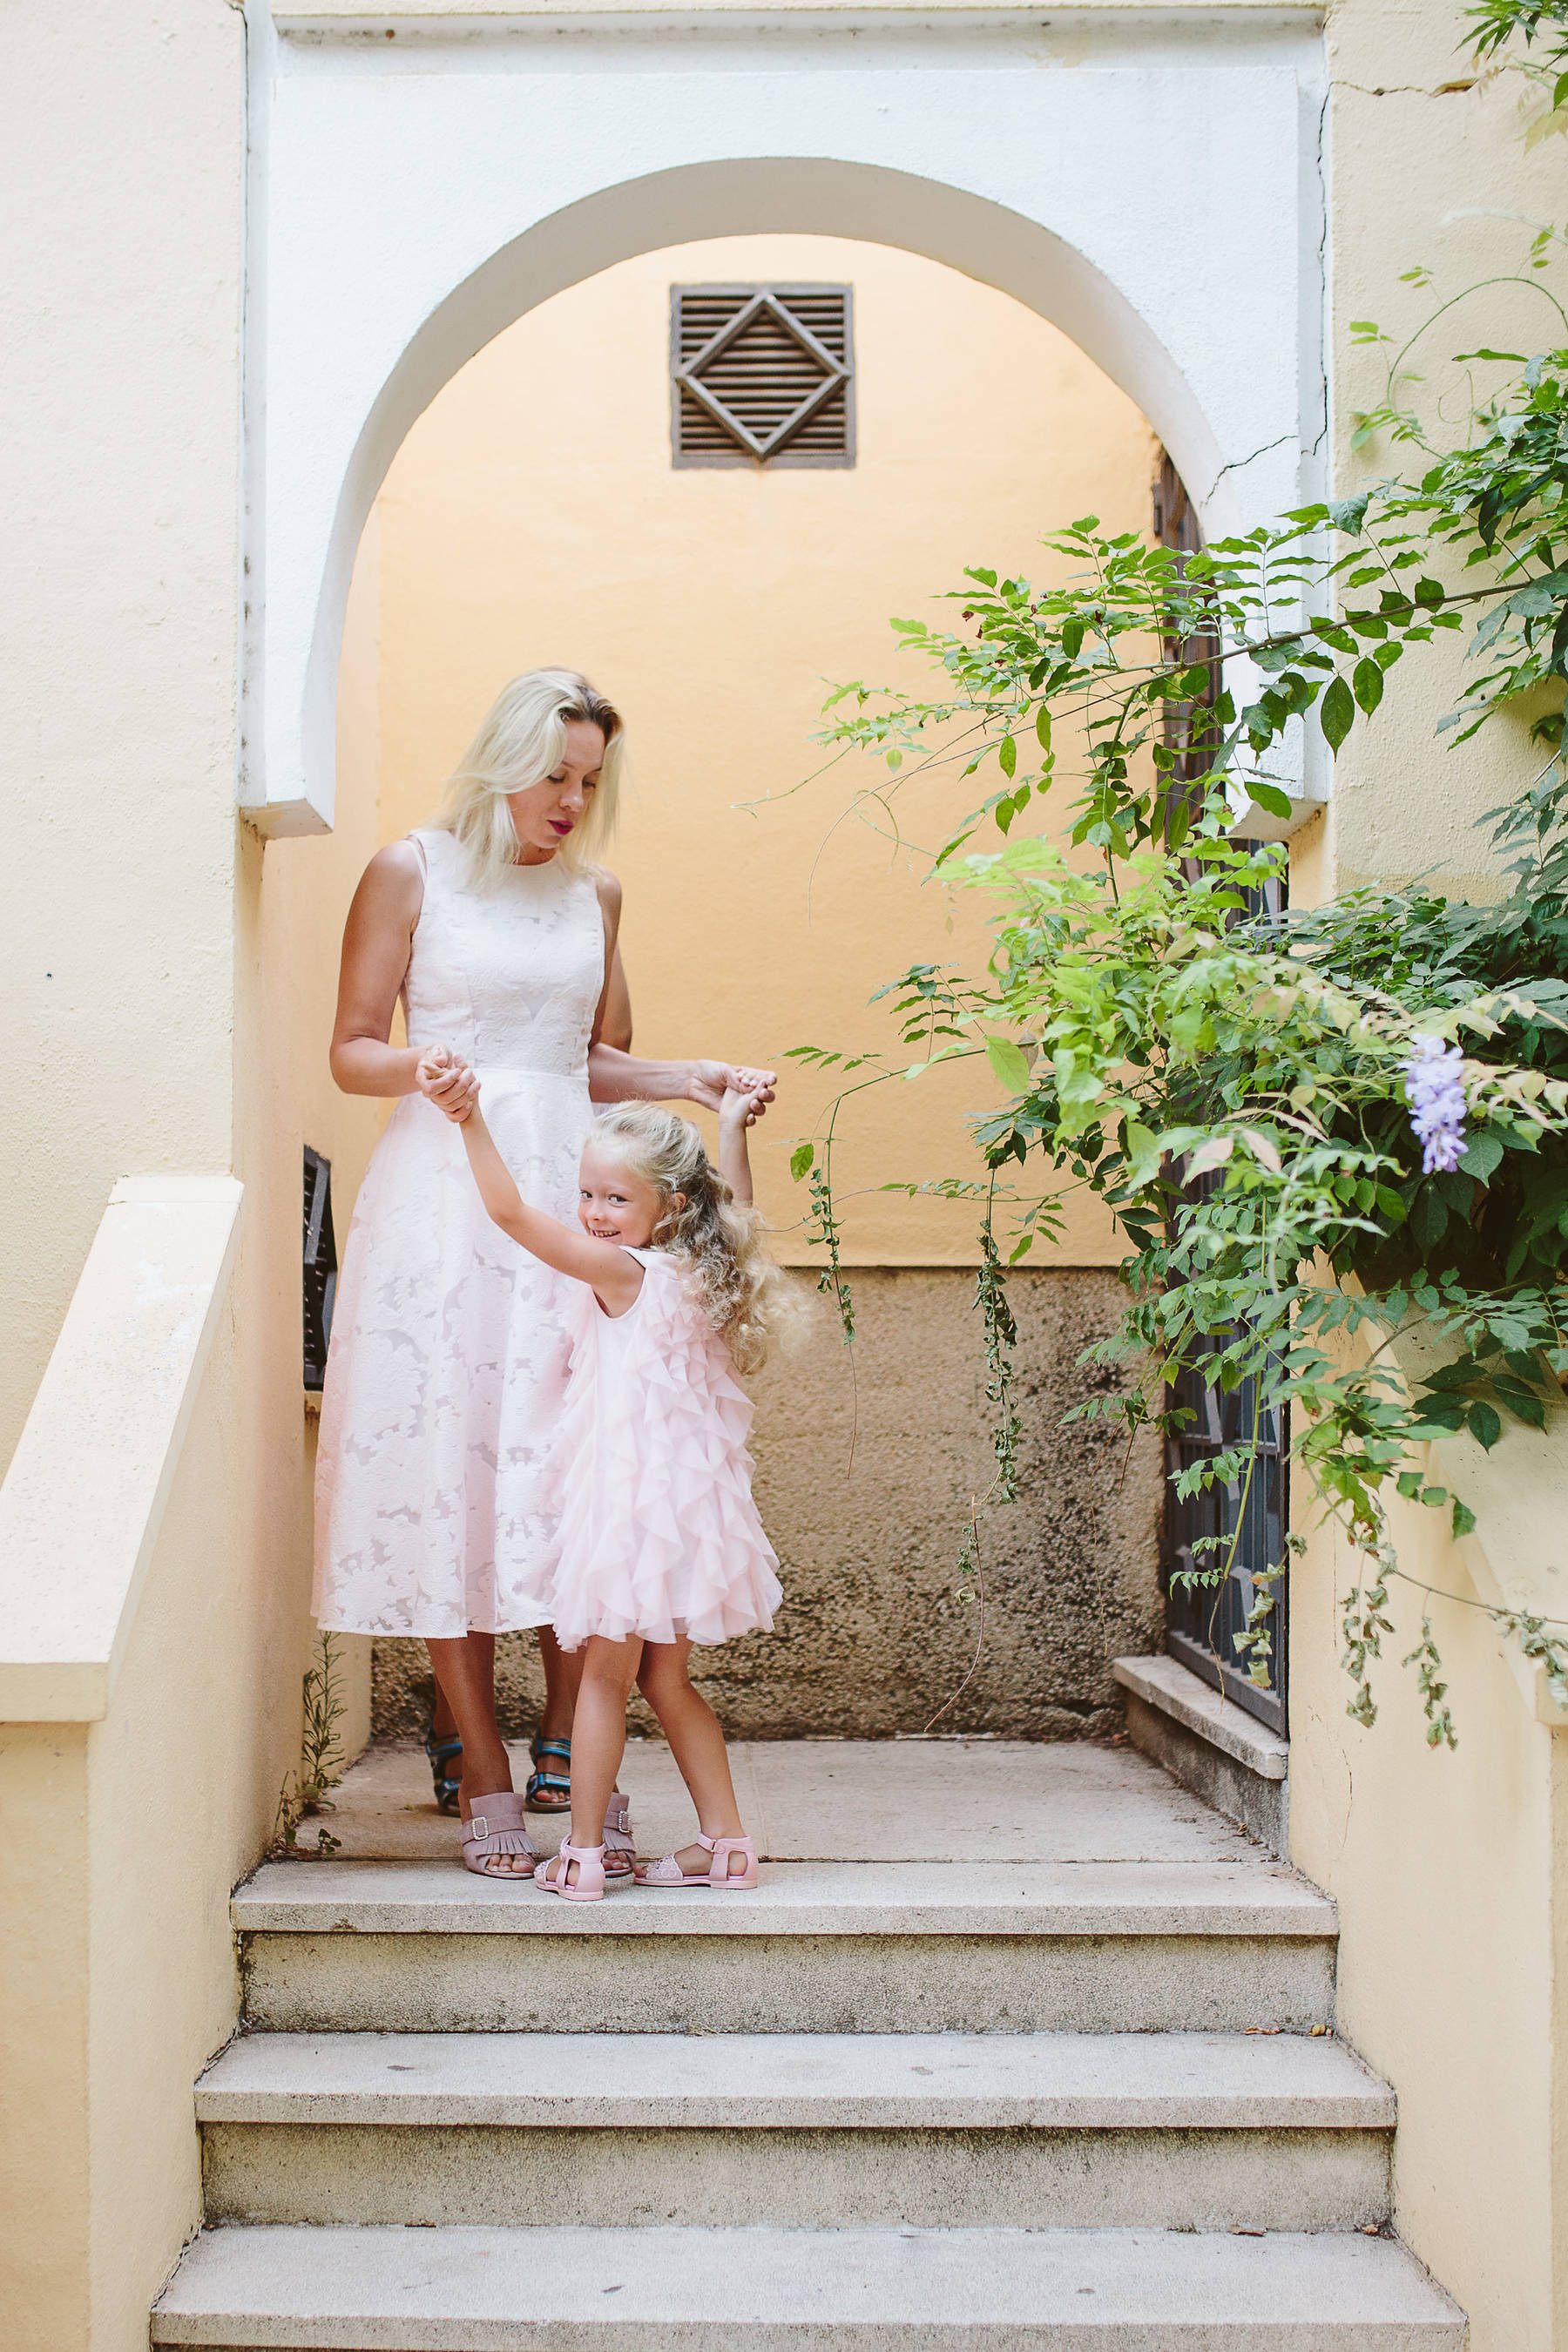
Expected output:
(739, 1110)
(445, 1078)
(719, 1085)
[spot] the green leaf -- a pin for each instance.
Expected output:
(1007, 756)
(801, 1160)
(1043, 727)
(1485, 1423)
(1464, 1520)
(1007, 1062)
(1338, 714)
(1481, 1155)
(1368, 684)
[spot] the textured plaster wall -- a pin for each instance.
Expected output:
(872, 1638)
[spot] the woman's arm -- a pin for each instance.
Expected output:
(603, 1265)
(616, 1075)
(735, 1114)
(378, 940)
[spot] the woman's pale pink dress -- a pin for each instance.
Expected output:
(447, 1367)
(660, 1536)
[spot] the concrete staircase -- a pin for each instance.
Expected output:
(876, 2105)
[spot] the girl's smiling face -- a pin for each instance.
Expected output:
(614, 1203)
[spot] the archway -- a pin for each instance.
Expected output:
(415, 203)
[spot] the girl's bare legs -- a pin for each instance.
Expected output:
(465, 1674)
(609, 1669)
(697, 1743)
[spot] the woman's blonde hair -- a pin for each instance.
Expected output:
(741, 1290)
(521, 739)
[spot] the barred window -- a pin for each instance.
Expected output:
(762, 375)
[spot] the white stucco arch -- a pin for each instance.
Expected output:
(1160, 205)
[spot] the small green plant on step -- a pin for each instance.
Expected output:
(304, 1793)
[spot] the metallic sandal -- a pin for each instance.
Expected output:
(718, 1874)
(494, 1827)
(547, 1792)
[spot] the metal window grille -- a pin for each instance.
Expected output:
(320, 1265)
(1201, 1620)
(762, 375)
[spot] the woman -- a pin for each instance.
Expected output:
(448, 1351)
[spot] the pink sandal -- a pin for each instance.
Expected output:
(494, 1827)
(588, 1886)
(718, 1874)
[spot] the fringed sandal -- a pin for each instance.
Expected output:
(718, 1874)
(620, 1846)
(548, 1791)
(446, 1766)
(494, 1828)
(588, 1886)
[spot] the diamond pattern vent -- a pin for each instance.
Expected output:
(762, 375)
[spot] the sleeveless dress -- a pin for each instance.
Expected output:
(660, 1536)
(449, 1346)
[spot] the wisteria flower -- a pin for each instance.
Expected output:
(1434, 1089)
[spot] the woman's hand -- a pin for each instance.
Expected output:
(446, 1079)
(712, 1083)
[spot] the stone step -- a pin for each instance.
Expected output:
(1178, 2131)
(764, 2290)
(870, 1947)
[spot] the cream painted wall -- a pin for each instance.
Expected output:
(533, 515)
(120, 314)
(1448, 1868)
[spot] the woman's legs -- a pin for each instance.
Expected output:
(563, 1674)
(697, 1743)
(465, 1674)
(608, 1671)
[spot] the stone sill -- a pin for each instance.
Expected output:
(1162, 1682)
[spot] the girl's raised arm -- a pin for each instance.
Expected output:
(608, 1269)
(736, 1113)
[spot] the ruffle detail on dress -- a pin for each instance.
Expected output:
(658, 1534)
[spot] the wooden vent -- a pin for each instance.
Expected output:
(762, 375)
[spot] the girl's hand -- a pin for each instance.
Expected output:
(446, 1079)
(740, 1110)
(712, 1083)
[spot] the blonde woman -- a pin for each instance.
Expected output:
(449, 1342)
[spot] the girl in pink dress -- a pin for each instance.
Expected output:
(660, 1541)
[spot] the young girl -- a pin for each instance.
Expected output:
(660, 1543)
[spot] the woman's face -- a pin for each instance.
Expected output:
(547, 814)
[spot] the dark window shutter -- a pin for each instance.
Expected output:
(320, 1265)
(762, 375)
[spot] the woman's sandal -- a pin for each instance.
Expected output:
(669, 1872)
(444, 1753)
(494, 1827)
(588, 1886)
(620, 1846)
(549, 1792)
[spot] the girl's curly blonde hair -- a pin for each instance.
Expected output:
(745, 1297)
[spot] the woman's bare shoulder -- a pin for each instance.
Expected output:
(608, 887)
(393, 884)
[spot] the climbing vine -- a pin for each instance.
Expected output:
(1321, 1132)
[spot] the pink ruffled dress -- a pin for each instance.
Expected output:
(658, 1534)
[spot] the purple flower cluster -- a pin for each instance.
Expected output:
(1434, 1089)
